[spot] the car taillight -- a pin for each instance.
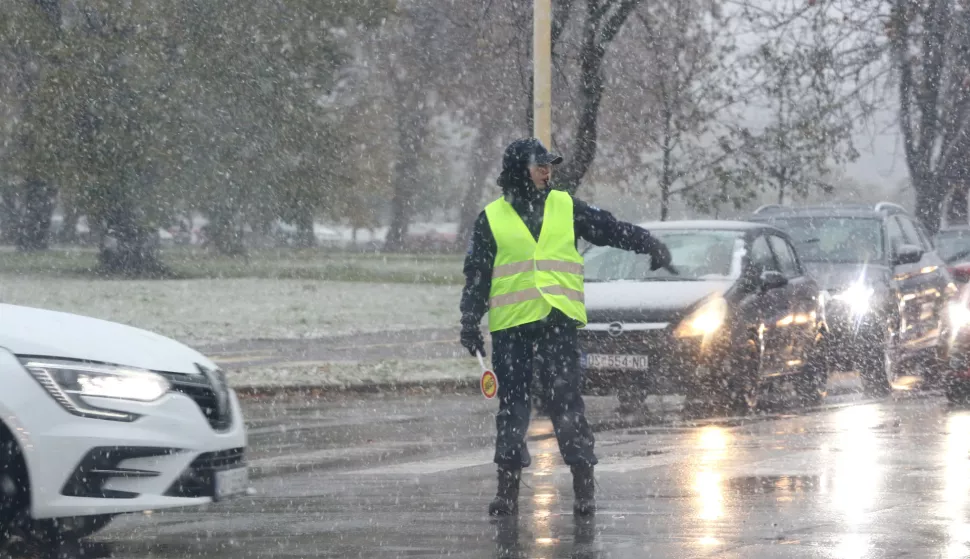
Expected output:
(961, 272)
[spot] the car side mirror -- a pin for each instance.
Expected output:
(771, 279)
(907, 254)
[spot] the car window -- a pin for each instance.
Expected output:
(833, 239)
(953, 245)
(700, 254)
(786, 257)
(896, 237)
(761, 256)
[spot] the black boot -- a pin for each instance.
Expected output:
(584, 489)
(506, 501)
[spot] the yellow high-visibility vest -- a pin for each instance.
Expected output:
(529, 277)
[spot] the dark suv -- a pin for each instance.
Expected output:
(886, 289)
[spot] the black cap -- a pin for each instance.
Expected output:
(528, 151)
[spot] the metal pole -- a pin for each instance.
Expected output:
(542, 71)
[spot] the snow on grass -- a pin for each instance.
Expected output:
(205, 311)
(343, 373)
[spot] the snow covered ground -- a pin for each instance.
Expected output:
(200, 312)
(364, 373)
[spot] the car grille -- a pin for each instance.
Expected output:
(206, 395)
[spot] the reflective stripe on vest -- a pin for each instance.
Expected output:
(531, 277)
(541, 265)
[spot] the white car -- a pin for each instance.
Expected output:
(99, 419)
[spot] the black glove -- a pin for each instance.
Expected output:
(659, 256)
(472, 340)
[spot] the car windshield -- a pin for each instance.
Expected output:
(953, 245)
(695, 254)
(837, 240)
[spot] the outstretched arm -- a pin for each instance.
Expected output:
(601, 228)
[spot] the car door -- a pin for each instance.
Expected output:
(802, 295)
(928, 283)
(772, 308)
(921, 295)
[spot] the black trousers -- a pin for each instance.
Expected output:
(548, 348)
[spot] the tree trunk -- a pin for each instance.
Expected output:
(413, 123)
(9, 220)
(305, 237)
(929, 202)
(471, 203)
(666, 173)
(224, 233)
(591, 91)
(33, 229)
(127, 247)
(958, 206)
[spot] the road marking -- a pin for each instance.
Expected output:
(457, 462)
(395, 344)
(240, 357)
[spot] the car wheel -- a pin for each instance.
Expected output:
(957, 393)
(879, 368)
(14, 486)
(58, 532)
(741, 389)
(810, 385)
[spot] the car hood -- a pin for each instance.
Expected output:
(40, 332)
(646, 301)
(838, 276)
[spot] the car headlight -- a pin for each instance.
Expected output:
(68, 382)
(858, 297)
(959, 316)
(704, 321)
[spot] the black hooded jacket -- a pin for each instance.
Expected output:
(597, 226)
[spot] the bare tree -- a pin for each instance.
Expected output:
(931, 54)
(680, 104)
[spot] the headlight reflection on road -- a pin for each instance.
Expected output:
(857, 473)
(712, 441)
(545, 495)
(956, 484)
(854, 476)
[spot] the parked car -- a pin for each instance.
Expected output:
(953, 246)
(99, 419)
(887, 288)
(740, 312)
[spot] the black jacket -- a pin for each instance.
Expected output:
(597, 226)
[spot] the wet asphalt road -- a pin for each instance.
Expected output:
(394, 476)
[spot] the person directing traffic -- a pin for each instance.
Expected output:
(524, 269)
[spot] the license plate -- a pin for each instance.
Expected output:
(229, 483)
(615, 362)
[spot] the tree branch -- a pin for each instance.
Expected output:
(616, 21)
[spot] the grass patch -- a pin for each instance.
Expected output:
(389, 371)
(301, 264)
